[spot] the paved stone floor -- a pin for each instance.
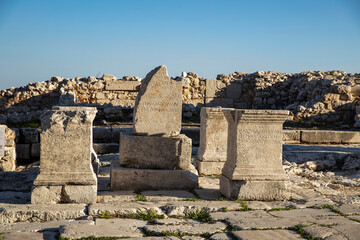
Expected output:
(321, 205)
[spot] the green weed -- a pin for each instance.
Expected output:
(299, 229)
(149, 215)
(243, 205)
(140, 197)
(282, 209)
(105, 215)
(201, 215)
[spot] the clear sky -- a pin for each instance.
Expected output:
(69, 38)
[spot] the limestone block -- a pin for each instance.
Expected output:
(233, 91)
(323, 136)
(213, 135)
(66, 143)
(67, 99)
(120, 85)
(158, 105)
(150, 179)
(155, 152)
(209, 168)
(79, 194)
(23, 151)
(8, 161)
(35, 150)
(253, 169)
(210, 88)
(105, 148)
(46, 194)
(219, 102)
(102, 135)
(107, 76)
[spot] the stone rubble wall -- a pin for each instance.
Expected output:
(8, 160)
(321, 97)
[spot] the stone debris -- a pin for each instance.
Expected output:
(104, 228)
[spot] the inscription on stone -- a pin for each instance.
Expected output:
(158, 105)
(2, 141)
(120, 85)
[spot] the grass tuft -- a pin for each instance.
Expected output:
(105, 215)
(282, 209)
(149, 215)
(243, 205)
(299, 229)
(140, 197)
(201, 215)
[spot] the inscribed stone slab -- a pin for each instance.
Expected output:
(121, 85)
(158, 105)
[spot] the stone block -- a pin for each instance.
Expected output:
(213, 135)
(23, 151)
(233, 91)
(46, 195)
(105, 148)
(291, 136)
(79, 194)
(107, 77)
(155, 152)
(102, 135)
(150, 179)
(253, 169)
(248, 190)
(323, 137)
(210, 88)
(29, 135)
(35, 150)
(219, 102)
(209, 168)
(158, 105)
(120, 85)
(65, 156)
(8, 161)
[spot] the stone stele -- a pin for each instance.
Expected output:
(213, 141)
(158, 105)
(65, 157)
(253, 169)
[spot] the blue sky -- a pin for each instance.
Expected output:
(42, 38)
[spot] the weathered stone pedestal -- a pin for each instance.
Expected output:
(155, 156)
(66, 174)
(253, 169)
(213, 141)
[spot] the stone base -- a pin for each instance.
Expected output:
(149, 179)
(64, 194)
(209, 168)
(248, 190)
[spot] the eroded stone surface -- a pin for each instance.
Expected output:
(253, 169)
(213, 141)
(267, 235)
(10, 213)
(104, 228)
(193, 228)
(158, 104)
(151, 152)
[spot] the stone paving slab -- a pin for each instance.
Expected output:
(123, 209)
(351, 209)
(209, 194)
(26, 236)
(307, 212)
(338, 232)
(10, 213)
(40, 226)
(259, 219)
(104, 228)
(267, 235)
(175, 195)
(195, 228)
(220, 236)
(113, 197)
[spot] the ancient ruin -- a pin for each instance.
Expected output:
(155, 156)
(253, 168)
(132, 174)
(66, 174)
